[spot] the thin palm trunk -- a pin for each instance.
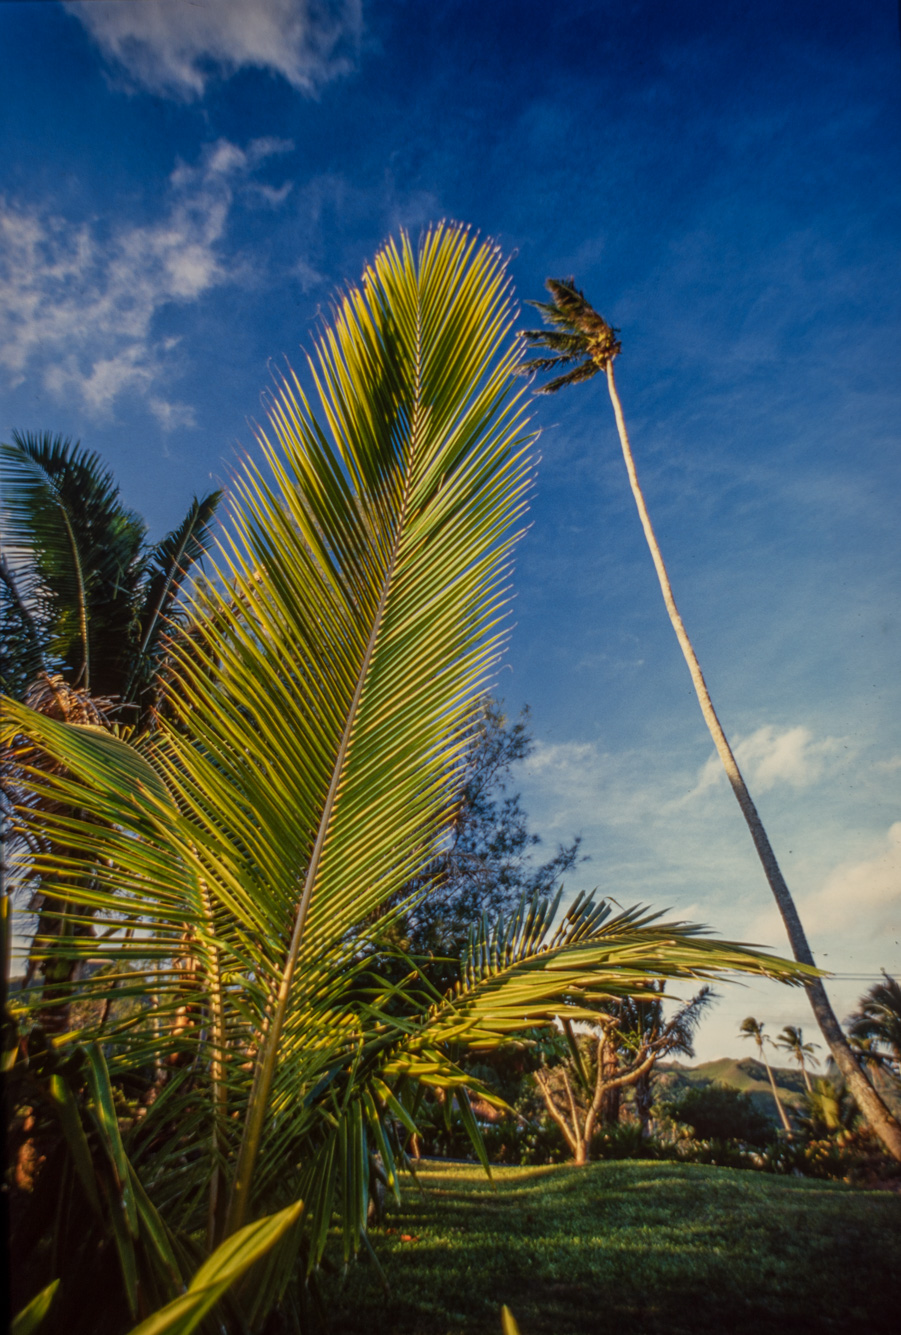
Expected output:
(869, 1102)
(786, 1125)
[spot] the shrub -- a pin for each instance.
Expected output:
(716, 1112)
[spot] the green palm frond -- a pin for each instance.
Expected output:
(525, 971)
(167, 567)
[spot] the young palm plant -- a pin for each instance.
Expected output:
(309, 766)
(86, 599)
(580, 339)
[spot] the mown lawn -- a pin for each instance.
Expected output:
(627, 1248)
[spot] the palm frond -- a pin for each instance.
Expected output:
(524, 971)
(168, 566)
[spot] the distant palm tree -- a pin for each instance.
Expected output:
(792, 1039)
(877, 1023)
(751, 1028)
(581, 340)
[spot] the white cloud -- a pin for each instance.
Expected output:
(867, 892)
(78, 302)
(172, 47)
(770, 757)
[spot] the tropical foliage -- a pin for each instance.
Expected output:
(241, 1047)
(488, 860)
(581, 345)
(85, 597)
(716, 1112)
(876, 1025)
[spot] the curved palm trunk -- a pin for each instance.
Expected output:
(871, 1105)
(786, 1125)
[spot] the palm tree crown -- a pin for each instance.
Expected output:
(878, 1021)
(578, 334)
(792, 1040)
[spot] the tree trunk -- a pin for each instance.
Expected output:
(611, 1098)
(871, 1105)
(644, 1100)
(786, 1125)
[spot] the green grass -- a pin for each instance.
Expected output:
(630, 1247)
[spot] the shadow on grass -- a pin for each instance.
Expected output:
(630, 1247)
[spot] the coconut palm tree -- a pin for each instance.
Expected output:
(792, 1039)
(877, 1023)
(751, 1028)
(88, 608)
(86, 598)
(581, 340)
(308, 765)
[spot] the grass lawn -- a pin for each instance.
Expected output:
(630, 1247)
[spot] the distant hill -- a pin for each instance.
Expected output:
(747, 1075)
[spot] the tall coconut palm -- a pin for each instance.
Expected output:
(582, 341)
(751, 1028)
(792, 1040)
(309, 764)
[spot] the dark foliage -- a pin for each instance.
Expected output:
(720, 1113)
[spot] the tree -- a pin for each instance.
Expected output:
(86, 598)
(830, 1111)
(580, 339)
(751, 1028)
(718, 1112)
(630, 1037)
(877, 1023)
(792, 1039)
(89, 607)
(307, 767)
(484, 868)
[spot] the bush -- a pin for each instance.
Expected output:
(718, 1113)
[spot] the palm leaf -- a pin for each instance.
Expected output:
(528, 970)
(168, 566)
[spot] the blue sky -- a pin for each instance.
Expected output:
(184, 187)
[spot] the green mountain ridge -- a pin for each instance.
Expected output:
(746, 1074)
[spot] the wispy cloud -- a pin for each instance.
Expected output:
(770, 757)
(78, 302)
(860, 896)
(172, 48)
